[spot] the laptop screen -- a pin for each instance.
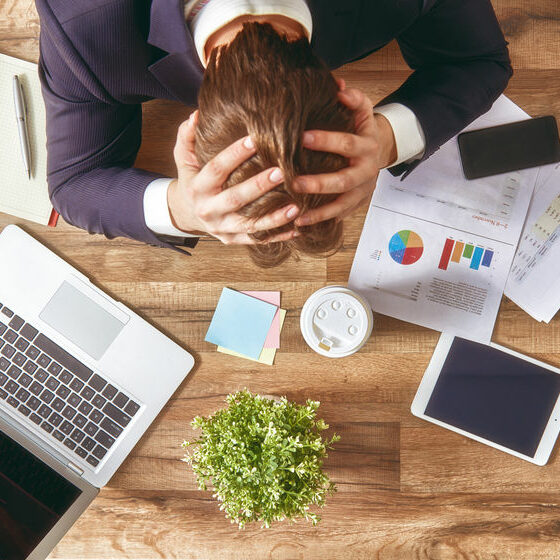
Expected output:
(33, 497)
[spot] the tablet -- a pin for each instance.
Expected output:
(493, 395)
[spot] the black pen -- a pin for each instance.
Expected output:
(21, 116)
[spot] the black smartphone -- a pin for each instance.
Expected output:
(509, 147)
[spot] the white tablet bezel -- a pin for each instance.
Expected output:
(431, 376)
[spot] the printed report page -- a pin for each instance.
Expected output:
(436, 248)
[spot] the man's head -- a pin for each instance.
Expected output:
(263, 85)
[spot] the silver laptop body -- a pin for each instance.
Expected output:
(81, 375)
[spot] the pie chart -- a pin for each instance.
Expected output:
(406, 247)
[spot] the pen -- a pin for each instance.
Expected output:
(21, 116)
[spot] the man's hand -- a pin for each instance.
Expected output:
(371, 148)
(198, 203)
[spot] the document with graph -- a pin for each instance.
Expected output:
(436, 248)
(534, 280)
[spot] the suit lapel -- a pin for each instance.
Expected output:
(179, 70)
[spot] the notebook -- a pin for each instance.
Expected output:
(20, 196)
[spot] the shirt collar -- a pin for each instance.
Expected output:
(205, 17)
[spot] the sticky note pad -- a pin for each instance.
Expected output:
(267, 354)
(241, 323)
(273, 337)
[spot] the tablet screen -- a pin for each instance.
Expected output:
(494, 395)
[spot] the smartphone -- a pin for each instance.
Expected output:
(509, 147)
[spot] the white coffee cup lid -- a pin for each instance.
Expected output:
(336, 321)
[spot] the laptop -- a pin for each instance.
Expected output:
(81, 379)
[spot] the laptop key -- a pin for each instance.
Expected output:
(81, 452)
(99, 452)
(33, 403)
(55, 419)
(34, 418)
(47, 396)
(85, 408)
(16, 323)
(30, 367)
(8, 351)
(33, 352)
(35, 388)
(104, 439)
(24, 380)
(63, 357)
(12, 401)
(96, 416)
(74, 400)
(43, 360)
(29, 332)
(19, 359)
(110, 391)
(21, 344)
(3, 328)
(98, 401)
(69, 413)
(120, 400)
(2, 342)
(58, 404)
(91, 429)
(3, 379)
(65, 377)
(76, 385)
(88, 443)
(58, 435)
(7, 312)
(92, 461)
(78, 435)
(66, 428)
(44, 411)
(131, 408)
(47, 427)
(10, 336)
(52, 383)
(97, 382)
(22, 395)
(4, 364)
(87, 393)
(11, 387)
(80, 421)
(14, 372)
(63, 391)
(116, 414)
(3, 394)
(24, 410)
(54, 368)
(41, 375)
(69, 443)
(111, 427)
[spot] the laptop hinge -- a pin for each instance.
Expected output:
(75, 468)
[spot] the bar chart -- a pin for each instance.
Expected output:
(459, 252)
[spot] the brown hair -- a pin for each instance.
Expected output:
(274, 89)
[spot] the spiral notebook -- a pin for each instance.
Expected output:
(20, 196)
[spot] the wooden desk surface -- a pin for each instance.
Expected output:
(406, 488)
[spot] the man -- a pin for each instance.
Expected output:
(101, 59)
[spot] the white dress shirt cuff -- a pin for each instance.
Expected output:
(409, 136)
(156, 210)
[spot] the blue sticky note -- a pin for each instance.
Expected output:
(241, 323)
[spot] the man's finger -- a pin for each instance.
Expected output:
(285, 236)
(339, 182)
(215, 173)
(344, 202)
(184, 153)
(361, 104)
(236, 197)
(342, 143)
(276, 219)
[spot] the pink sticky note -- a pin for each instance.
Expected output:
(273, 337)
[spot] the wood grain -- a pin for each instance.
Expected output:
(406, 489)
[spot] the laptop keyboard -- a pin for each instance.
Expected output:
(54, 390)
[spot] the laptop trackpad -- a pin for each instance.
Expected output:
(82, 320)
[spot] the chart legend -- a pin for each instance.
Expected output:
(406, 247)
(467, 253)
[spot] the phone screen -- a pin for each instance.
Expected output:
(509, 147)
(494, 395)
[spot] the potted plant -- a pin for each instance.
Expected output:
(264, 458)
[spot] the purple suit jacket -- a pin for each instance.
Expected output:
(100, 59)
